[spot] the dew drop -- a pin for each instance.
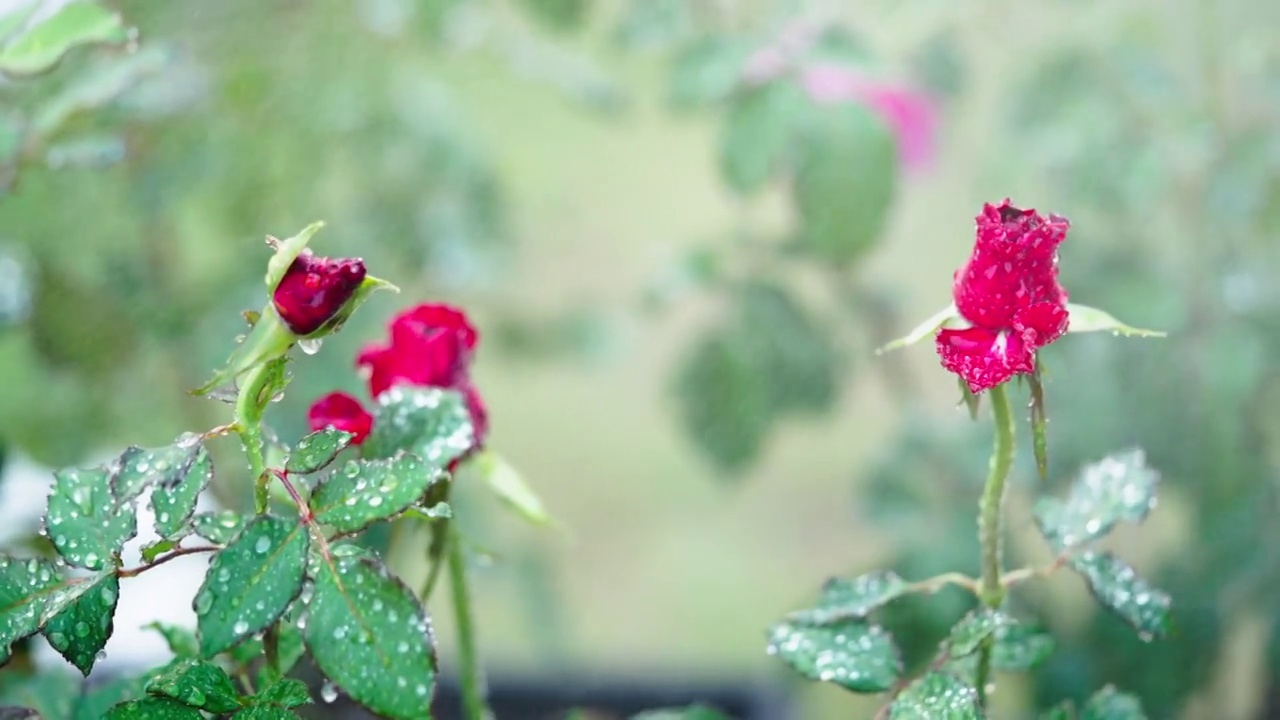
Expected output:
(310, 346)
(328, 692)
(262, 545)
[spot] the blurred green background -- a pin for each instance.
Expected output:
(679, 294)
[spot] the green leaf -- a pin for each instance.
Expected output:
(99, 698)
(30, 590)
(693, 712)
(796, 358)
(1020, 647)
(81, 630)
(757, 133)
(41, 46)
(1111, 704)
(286, 252)
(140, 468)
(369, 635)
(315, 451)
(943, 318)
(251, 582)
(971, 401)
(707, 71)
(937, 695)
(51, 692)
(287, 693)
(174, 502)
(366, 491)
(218, 527)
(852, 654)
(723, 400)
(1062, 711)
(973, 629)
(507, 483)
(181, 641)
(289, 648)
(12, 20)
(199, 684)
(1118, 488)
(153, 708)
(845, 180)
(1082, 318)
(1119, 588)
(431, 423)
(265, 712)
(559, 15)
(86, 523)
(844, 599)
(98, 86)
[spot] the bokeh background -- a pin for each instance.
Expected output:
(682, 227)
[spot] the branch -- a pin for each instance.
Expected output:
(134, 572)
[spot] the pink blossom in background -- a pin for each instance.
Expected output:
(910, 113)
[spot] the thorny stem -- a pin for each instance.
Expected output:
(1013, 577)
(475, 704)
(433, 575)
(248, 424)
(991, 590)
(134, 572)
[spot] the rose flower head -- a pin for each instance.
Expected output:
(1008, 291)
(314, 289)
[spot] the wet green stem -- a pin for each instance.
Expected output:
(474, 701)
(248, 423)
(990, 588)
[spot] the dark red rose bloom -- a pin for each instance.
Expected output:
(1009, 293)
(313, 289)
(431, 346)
(343, 412)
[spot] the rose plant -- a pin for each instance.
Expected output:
(293, 577)
(1008, 305)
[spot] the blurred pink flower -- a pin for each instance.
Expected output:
(910, 113)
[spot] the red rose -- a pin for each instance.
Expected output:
(343, 412)
(431, 346)
(1009, 293)
(314, 289)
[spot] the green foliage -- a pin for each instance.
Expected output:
(153, 708)
(937, 695)
(175, 502)
(693, 712)
(82, 628)
(218, 527)
(707, 72)
(315, 451)
(1121, 590)
(365, 491)
(286, 693)
(431, 423)
(86, 522)
(852, 654)
(369, 635)
(846, 174)
(510, 487)
(181, 641)
(251, 582)
(559, 15)
(1119, 488)
(759, 128)
(843, 599)
(1111, 704)
(40, 46)
(197, 683)
(31, 592)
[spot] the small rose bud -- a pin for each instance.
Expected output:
(342, 412)
(314, 289)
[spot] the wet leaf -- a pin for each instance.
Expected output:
(153, 708)
(1111, 704)
(852, 654)
(370, 636)
(218, 527)
(199, 684)
(86, 523)
(42, 45)
(141, 468)
(845, 180)
(289, 647)
(286, 693)
(181, 641)
(758, 129)
(265, 712)
(81, 630)
(1119, 588)
(431, 423)
(1082, 318)
(153, 550)
(366, 491)
(973, 629)
(848, 599)
(971, 401)
(1016, 646)
(30, 593)
(707, 71)
(174, 501)
(937, 695)
(507, 483)
(1118, 488)
(315, 451)
(251, 582)
(693, 712)
(286, 251)
(943, 318)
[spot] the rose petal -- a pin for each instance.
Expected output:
(313, 289)
(343, 412)
(984, 358)
(1041, 324)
